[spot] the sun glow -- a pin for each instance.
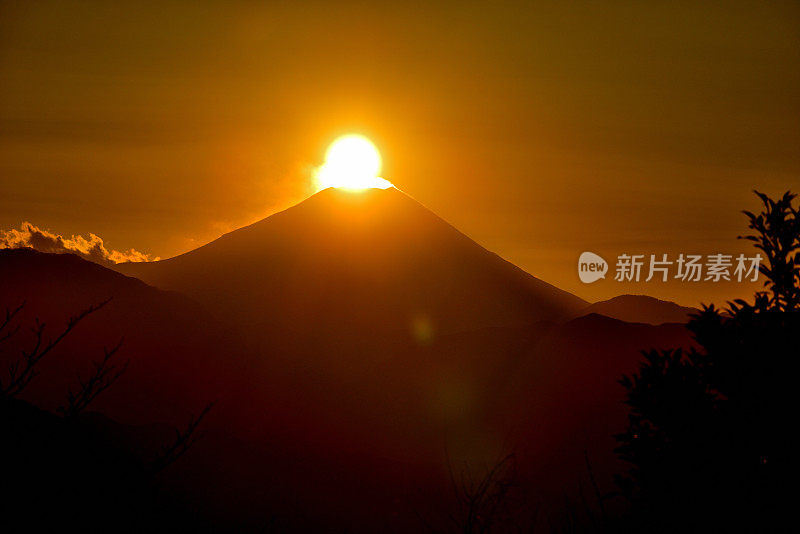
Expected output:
(352, 162)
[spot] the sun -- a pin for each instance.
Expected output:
(352, 162)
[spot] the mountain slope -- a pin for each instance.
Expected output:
(372, 264)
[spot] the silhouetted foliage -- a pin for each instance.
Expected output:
(709, 436)
(777, 229)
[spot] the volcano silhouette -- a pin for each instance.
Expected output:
(369, 264)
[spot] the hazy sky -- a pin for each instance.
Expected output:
(539, 129)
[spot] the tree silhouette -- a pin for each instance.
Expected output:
(709, 438)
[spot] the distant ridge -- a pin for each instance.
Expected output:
(640, 309)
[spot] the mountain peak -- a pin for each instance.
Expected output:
(339, 202)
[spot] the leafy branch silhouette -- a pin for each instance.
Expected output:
(777, 229)
(706, 425)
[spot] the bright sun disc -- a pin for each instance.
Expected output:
(352, 162)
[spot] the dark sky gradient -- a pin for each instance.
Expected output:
(540, 131)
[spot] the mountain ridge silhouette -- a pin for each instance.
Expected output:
(333, 426)
(640, 309)
(369, 264)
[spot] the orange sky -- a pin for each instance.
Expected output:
(539, 131)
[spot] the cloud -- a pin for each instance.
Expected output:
(90, 248)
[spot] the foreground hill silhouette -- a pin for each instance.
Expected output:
(172, 342)
(353, 435)
(369, 264)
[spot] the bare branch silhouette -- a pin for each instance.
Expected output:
(481, 500)
(599, 496)
(105, 374)
(22, 371)
(10, 314)
(183, 441)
